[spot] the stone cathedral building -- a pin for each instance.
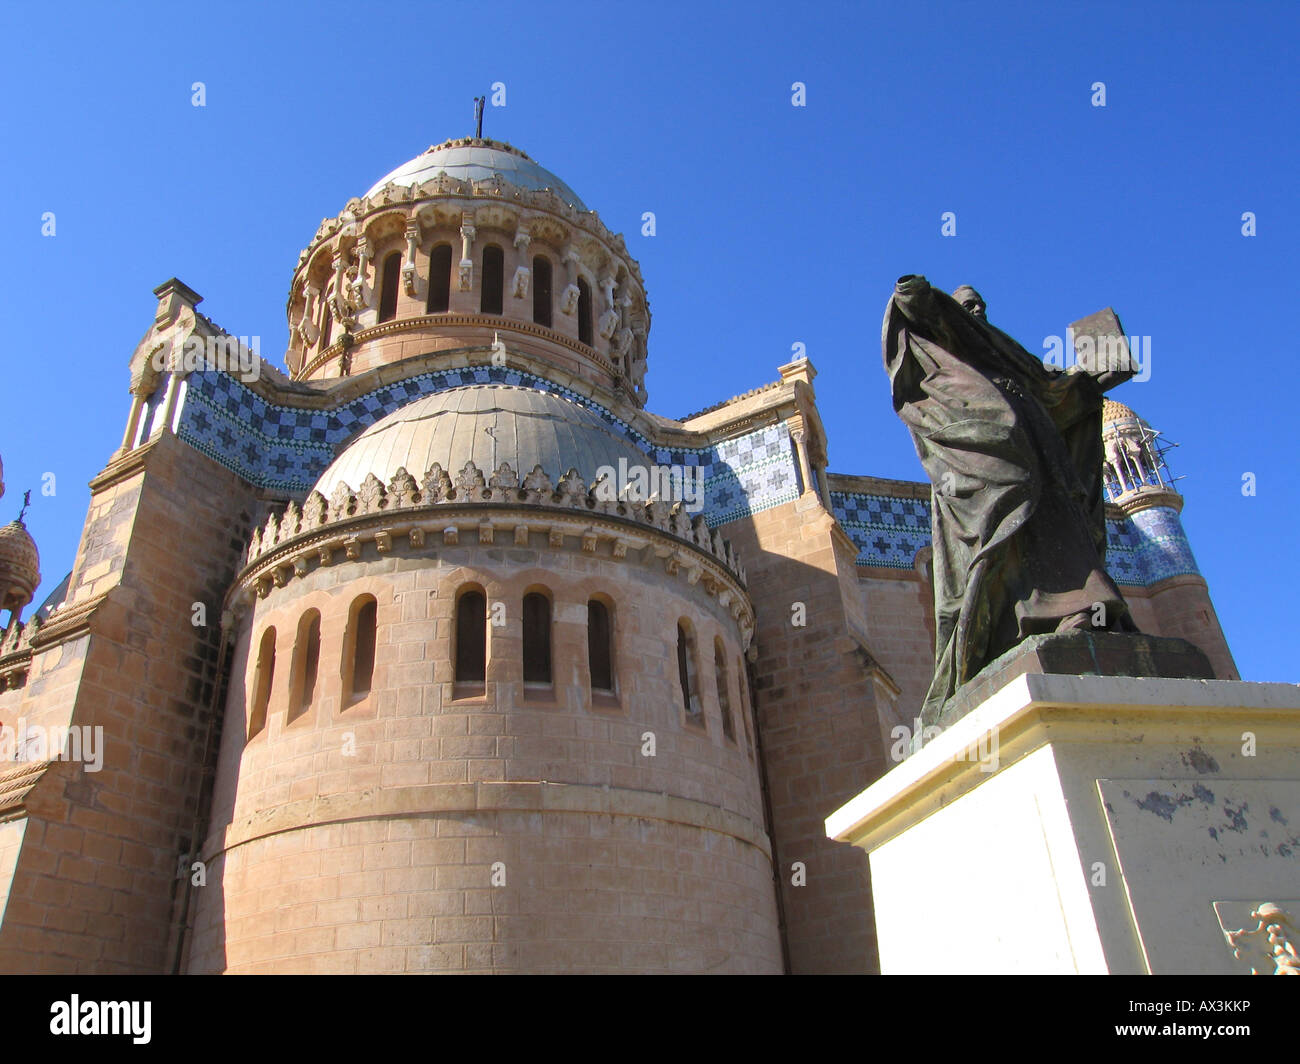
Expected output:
(438, 651)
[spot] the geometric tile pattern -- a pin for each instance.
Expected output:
(888, 531)
(1140, 551)
(1160, 545)
(287, 448)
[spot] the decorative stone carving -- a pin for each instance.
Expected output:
(291, 522)
(352, 548)
(358, 290)
(410, 278)
(307, 329)
(1268, 948)
(521, 535)
(572, 490)
(681, 521)
(417, 538)
(341, 501)
(537, 486)
(589, 541)
(255, 544)
(608, 323)
(555, 538)
(401, 489)
(371, 495)
(622, 345)
(272, 534)
(465, 270)
(658, 513)
(383, 541)
(569, 299)
(519, 285)
(504, 483)
(485, 533)
(314, 511)
(469, 483)
(436, 485)
(450, 536)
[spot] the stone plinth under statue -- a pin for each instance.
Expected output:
(1092, 824)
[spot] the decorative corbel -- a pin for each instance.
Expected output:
(465, 278)
(307, 328)
(409, 277)
(358, 290)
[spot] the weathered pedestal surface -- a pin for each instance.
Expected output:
(1091, 824)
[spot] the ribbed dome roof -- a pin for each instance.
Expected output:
(1113, 411)
(20, 566)
(471, 159)
(531, 428)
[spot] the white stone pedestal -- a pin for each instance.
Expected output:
(1092, 824)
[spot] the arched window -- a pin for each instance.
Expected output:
(584, 311)
(262, 676)
(537, 638)
(541, 290)
(307, 658)
(745, 704)
(493, 281)
(724, 694)
(600, 646)
(439, 280)
(686, 672)
(360, 663)
(471, 638)
(391, 274)
(326, 328)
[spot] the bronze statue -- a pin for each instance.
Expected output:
(1014, 453)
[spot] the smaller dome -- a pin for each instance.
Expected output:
(474, 159)
(20, 566)
(527, 428)
(1113, 411)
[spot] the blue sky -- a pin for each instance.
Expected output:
(775, 224)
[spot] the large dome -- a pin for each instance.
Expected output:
(531, 428)
(472, 159)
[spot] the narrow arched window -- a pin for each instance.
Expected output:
(471, 638)
(600, 646)
(361, 649)
(307, 656)
(493, 281)
(541, 290)
(686, 671)
(262, 677)
(439, 280)
(537, 638)
(724, 694)
(326, 328)
(745, 704)
(391, 274)
(584, 311)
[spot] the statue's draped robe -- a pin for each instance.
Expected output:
(1013, 450)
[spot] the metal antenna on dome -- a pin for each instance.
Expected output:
(478, 116)
(27, 501)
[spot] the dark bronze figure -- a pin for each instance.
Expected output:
(1014, 453)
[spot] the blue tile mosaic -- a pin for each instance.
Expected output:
(1140, 551)
(285, 448)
